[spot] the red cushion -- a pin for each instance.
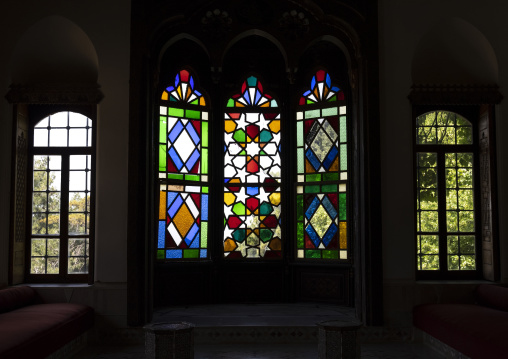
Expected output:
(492, 296)
(38, 330)
(476, 331)
(16, 297)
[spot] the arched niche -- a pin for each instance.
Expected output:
(254, 54)
(454, 52)
(183, 52)
(54, 50)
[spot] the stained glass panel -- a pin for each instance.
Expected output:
(183, 131)
(183, 222)
(321, 125)
(321, 222)
(252, 170)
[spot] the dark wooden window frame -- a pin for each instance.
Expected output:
(476, 104)
(30, 105)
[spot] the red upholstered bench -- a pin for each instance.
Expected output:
(476, 330)
(30, 329)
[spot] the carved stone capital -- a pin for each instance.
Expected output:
(54, 94)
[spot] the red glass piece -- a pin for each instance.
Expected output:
(334, 243)
(334, 121)
(270, 116)
(195, 168)
(233, 189)
(252, 166)
(308, 243)
(302, 100)
(308, 126)
(252, 203)
(244, 86)
(273, 254)
(196, 197)
(170, 243)
(340, 96)
(252, 131)
(260, 88)
(333, 199)
(236, 96)
(235, 255)
(197, 126)
(270, 189)
(184, 75)
(320, 75)
(198, 221)
(234, 116)
(270, 221)
(171, 166)
(234, 222)
(268, 96)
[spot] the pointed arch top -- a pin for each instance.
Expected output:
(183, 90)
(252, 95)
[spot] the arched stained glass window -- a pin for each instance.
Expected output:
(252, 174)
(322, 171)
(445, 209)
(183, 171)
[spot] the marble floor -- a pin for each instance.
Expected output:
(265, 331)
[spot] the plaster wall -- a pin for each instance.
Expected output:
(402, 24)
(107, 24)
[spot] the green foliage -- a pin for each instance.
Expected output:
(46, 208)
(445, 128)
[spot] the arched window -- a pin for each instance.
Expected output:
(446, 194)
(252, 174)
(62, 211)
(183, 172)
(322, 171)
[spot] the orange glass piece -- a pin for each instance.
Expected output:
(164, 95)
(162, 206)
(183, 220)
(308, 167)
(229, 245)
(202, 101)
(335, 165)
(275, 244)
(275, 126)
(229, 126)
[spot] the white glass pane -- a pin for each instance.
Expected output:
(89, 142)
(58, 138)
(55, 179)
(58, 119)
(40, 138)
(77, 137)
(77, 180)
(78, 162)
(55, 162)
(77, 120)
(43, 123)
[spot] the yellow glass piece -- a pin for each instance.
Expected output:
(162, 206)
(229, 126)
(275, 198)
(238, 104)
(164, 95)
(274, 126)
(179, 90)
(235, 180)
(316, 93)
(229, 245)
(188, 93)
(183, 220)
(343, 235)
(266, 104)
(229, 199)
(202, 101)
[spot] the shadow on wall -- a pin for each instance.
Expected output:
(454, 52)
(54, 50)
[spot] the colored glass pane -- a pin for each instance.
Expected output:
(252, 222)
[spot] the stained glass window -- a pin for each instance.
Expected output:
(183, 172)
(322, 171)
(445, 193)
(61, 194)
(252, 174)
